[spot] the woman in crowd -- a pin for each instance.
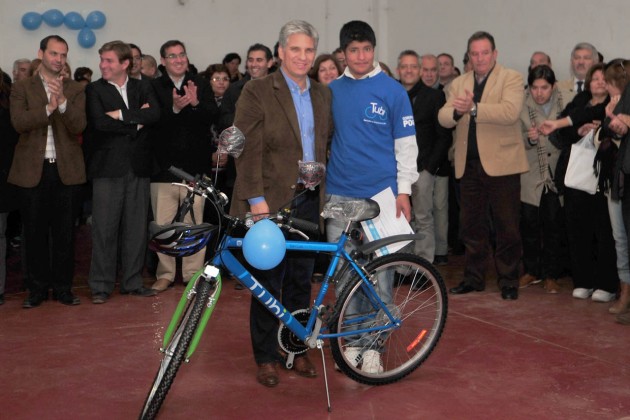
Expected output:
(541, 211)
(223, 170)
(589, 231)
(615, 132)
(325, 69)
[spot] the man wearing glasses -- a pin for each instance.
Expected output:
(181, 138)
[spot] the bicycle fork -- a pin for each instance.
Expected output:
(208, 273)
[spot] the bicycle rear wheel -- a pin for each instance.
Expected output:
(176, 350)
(414, 293)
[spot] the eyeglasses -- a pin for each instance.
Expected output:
(174, 56)
(220, 79)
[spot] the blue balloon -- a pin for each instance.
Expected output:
(86, 38)
(264, 245)
(74, 20)
(53, 17)
(95, 20)
(31, 20)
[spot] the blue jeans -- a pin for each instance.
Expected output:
(440, 214)
(621, 239)
(384, 283)
(422, 199)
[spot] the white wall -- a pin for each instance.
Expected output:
(211, 28)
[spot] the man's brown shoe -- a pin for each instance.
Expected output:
(552, 286)
(527, 280)
(303, 367)
(267, 374)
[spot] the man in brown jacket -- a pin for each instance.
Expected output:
(484, 107)
(48, 112)
(285, 118)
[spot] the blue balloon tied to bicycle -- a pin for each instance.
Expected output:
(74, 20)
(95, 20)
(86, 38)
(264, 245)
(31, 20)
(53, 17)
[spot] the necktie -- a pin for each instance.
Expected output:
(579, 87)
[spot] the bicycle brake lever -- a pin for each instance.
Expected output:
(299, 232)
(179, 184)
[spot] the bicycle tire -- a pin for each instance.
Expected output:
(175, 352)
(419, 300)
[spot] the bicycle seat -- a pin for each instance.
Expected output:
(353, 210)
(180, 239)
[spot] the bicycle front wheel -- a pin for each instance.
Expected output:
(176, 350)
(414, 293)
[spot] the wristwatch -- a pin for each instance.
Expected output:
(473, 110)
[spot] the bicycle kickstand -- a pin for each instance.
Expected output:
(320, 346)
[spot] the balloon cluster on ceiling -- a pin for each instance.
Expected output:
(72, 20)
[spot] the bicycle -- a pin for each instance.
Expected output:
(402, 333)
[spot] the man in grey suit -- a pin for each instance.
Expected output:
(119, 163)
(285, 118)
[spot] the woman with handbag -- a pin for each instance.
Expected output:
(589, 231)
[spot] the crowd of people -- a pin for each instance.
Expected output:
(496, 144)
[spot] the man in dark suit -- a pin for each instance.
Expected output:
(430, 191)
(259, 61)
(119, 163)
(49, 113)
(285, 118)
(181, 138)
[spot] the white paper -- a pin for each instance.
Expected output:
(386, 224)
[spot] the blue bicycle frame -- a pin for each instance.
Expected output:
(224, 258)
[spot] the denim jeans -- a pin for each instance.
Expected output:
(384, 282)
(422, 199)
(621, 239)
(440, 214)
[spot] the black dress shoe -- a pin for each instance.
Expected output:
(143, 291)
(67, 298)
(463, 288)
(32, 301)
(509, 293)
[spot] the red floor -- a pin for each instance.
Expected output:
(540, 357)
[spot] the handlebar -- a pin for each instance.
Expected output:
(303, 225)
(202, 185)
(180, 173)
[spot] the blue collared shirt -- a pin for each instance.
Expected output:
(304, 111)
